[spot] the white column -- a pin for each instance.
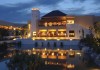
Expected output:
(34, 20)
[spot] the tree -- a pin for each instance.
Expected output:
(91, 42)
(4, 46)
(3, 32)
(96, 29)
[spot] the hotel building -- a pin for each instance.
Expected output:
(59, 26)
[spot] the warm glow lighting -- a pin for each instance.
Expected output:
(52, 30)
(34, 33)
(33, 39)
(42, 30)
(70, 39)
(43, 53)
(45, 39)
(70, 66)
(35, 9)
(57, 39)
(45, 49)
(52, 54)
(61, 54)
(33, 48)
(58, 49)
(29, 25)
(28, 50)
(14, 28)
(14, 39)
(61, 29)
(29, 35)
(34, 52)
(71, 49)
(78, 53)
(46, 62)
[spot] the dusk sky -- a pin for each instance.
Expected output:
(20, 10)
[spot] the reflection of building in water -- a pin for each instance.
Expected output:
(58, 25)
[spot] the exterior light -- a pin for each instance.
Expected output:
(78, 53)
(33, 39)
(33, 48)
(14, 39)
(57, 54)
(29, 35)
(14, 28)
(34, 52)
(46, 62)
(70, 39)
(43, 53)
(61, 54)
(45, 49)
(70, 66)
(45, 39)
(58, 49)
(28, 50)
(52, 54)
(71, 49)
(57, 39)
(35, 9)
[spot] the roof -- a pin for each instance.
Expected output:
(5, 23)
(54, 13)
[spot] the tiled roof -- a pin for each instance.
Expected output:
(54, 13)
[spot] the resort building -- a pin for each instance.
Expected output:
(59, 26)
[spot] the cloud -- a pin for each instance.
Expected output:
(75, 11)
(81, 1)
(96, 2)
(19, 12)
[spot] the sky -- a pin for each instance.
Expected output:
(19, 11)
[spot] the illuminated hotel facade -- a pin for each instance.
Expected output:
(59, 26)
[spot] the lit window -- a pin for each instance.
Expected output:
(46, 24)
(70, 21)
(34, 33)
(71, 33)
(50, 23)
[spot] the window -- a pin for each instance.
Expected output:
(71, 33)
(46, 24)
(70, 21)
(50, 23)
